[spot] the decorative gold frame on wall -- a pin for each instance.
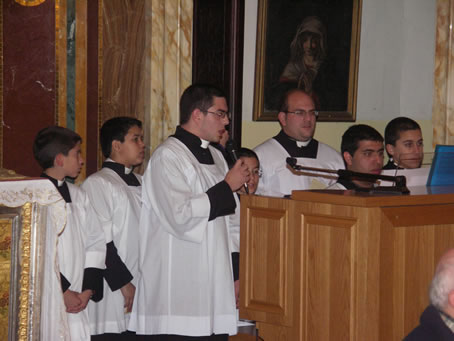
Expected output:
(259, 112)
(26, 270)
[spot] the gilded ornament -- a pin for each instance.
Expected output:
(25, 271)
(29, 2)
(7, 174)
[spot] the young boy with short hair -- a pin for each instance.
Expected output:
(404, 144)
(115, 192)
(250, 158)
(81, 247)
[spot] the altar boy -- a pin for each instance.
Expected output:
(115, 192)
(81, 248)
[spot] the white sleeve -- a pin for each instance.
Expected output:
(95, 243)
(101, 198)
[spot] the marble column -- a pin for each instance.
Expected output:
(443, 97)
(170, 65)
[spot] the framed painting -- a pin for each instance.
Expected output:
(312, 45)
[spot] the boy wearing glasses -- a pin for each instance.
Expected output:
(297, 117)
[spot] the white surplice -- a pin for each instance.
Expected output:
(81, 245)
(185, 274)
(278, 180)
(118, 208)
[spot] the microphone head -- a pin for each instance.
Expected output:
(230, 148)
(291, 161)
(230, 145)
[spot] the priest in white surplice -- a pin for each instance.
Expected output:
(297, 116)
(185, 286)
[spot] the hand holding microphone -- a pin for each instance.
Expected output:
(238, 176)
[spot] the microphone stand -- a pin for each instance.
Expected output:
(400, 182)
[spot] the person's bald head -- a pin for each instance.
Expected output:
(297, 115)
(446, 258)
(441, 292)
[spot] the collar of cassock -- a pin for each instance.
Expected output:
(199, 148)
(123, 172)
(396, 166)
(61, 186)
(297, 148)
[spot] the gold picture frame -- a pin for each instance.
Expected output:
(22, 235)
(282, 26)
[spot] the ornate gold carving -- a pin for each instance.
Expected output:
(5, 274)
(29, 2)
(6, 174)
(25, 271)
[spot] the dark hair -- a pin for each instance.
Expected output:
(396, 126)
(51, 141)
(197, 96)
(357, 133)
(245, 152)
(116, 129)
(283, 102)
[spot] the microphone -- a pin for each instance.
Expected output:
(231, 150)
(399, 181)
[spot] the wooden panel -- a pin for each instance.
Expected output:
(355, 272)
(418, 236)
(330, 268)
(268, 264)
(420, 215)
(442, 195)
(417, 250)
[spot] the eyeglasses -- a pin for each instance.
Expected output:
(221, 114)
(310, 113)
(256, 172)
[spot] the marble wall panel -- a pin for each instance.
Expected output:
(123, 58)
(28, 75)
(93, 153)
(170, 66)
(132, 57)
(443, 97)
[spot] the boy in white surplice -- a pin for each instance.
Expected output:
(81, 249)
(115, 193)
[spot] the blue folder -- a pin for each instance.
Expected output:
(442, 169)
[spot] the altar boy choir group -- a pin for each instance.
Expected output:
(156, 257)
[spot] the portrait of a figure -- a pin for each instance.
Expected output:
(310, 45)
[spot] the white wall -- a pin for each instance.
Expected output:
(395, 69)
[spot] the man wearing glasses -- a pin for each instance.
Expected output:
(297, 117)
(187, 233)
